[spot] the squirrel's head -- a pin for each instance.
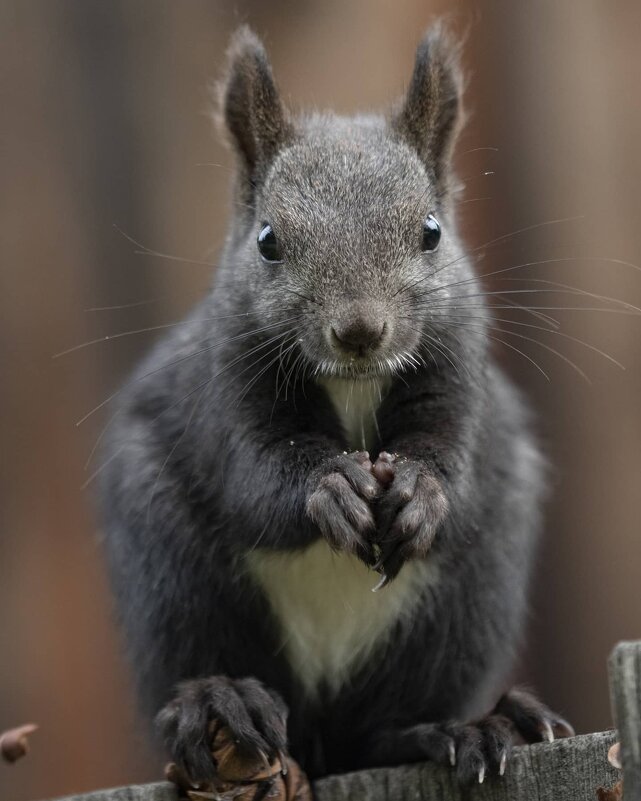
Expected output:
(343, 227)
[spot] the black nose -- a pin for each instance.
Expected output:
(359, 333)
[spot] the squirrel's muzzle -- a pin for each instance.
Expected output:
(360, 330)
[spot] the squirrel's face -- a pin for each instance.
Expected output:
(348, 232)
(344, 224)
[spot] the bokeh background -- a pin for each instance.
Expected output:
(105, 134)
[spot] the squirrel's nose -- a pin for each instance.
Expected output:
(361, 332)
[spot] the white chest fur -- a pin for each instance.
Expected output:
(356, 404)
(330, 619)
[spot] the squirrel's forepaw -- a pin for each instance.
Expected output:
(409, 514)
(339, 503)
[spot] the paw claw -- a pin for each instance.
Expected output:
(482, 774)
(503, 763)
(531, 718)
(452, 752)
(263, 758)
(383, 582)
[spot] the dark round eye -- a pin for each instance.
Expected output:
(431, 233)
(268, 245)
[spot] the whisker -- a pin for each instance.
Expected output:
(575, 290)
(438, 345)
(604, 309)
(299, 368)
(537, 315)
(179, 361)
(215, 164)
(282, 368)
(539, 263)
(109, 422)
(146, 330)
(521, 353)
(487, 244)
(530, 339)
(562, 334)
(134, 305)
(479, 150)
(509, 303)
(191, 416)
(472, 200)
(301, 295)
(255, 378)
(498, 292)
(146, 251)
(203, 384)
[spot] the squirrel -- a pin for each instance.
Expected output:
(319, 426)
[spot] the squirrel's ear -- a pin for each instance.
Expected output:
(251, 107)
(430, 115)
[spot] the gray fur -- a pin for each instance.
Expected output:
(217, 452)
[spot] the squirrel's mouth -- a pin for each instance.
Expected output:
(367, 366)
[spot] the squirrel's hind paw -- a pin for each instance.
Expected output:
(534, 721)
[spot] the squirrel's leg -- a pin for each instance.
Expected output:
(185, 605)
(187, 611)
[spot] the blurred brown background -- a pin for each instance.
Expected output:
(103, 123)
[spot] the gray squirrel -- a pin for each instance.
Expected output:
(320, 427)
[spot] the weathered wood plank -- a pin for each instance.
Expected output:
(162, 791)
(567, 770)
(625, 688)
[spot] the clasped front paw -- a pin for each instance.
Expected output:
(409, 512)
(340, 503)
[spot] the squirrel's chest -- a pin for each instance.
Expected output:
(330, 620)
(356, 404)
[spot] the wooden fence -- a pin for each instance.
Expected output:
(565, 770)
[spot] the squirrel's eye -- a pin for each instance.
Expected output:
(268, 245)
(431, 233)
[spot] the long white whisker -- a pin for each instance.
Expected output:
(562, 334)
(163, 327)
(180, 360)
(146, 251)
(218, 373)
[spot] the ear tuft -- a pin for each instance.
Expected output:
(430, 115)
(251, 106)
